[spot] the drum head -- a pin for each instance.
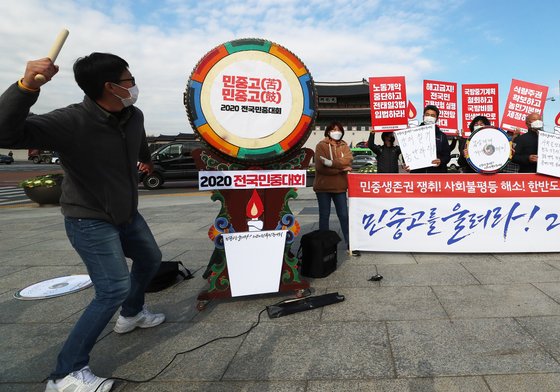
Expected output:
(251, 100)
(54, 287)
(488, 150)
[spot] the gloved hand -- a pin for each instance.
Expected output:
(326, 162)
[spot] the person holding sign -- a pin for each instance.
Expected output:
(387, 154)
(99, 197)
(443, 152)
(333, 161)
(527, 145)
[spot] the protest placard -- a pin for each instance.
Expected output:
(387, 96)
(443, 95)
(523, 98)
(418, 146)
(549, 154)
(479, 100)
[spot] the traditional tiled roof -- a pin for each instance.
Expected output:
(342, 88)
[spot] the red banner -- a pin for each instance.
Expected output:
(387, 97)
(452, 186)
(523, 98)
(480, 100)
(444, 96)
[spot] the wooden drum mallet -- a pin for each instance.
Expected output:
(55, 50)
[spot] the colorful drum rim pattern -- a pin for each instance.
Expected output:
(490, 149)
(294, 131)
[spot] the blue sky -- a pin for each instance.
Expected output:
(463, 41)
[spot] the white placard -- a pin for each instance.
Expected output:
(418, 146)
(251, 179)
(254, 261)
(549, 154)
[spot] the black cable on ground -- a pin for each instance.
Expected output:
(189, 351)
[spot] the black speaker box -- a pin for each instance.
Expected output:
(319, 253)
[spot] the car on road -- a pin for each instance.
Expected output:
(363, 160)
(172, 161)
(361, 151)
(55, 158)
(8, 160)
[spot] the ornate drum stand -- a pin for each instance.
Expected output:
(253, 103)
(241, 207)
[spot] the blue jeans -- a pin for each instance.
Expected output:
(103, 248)
(339, 199)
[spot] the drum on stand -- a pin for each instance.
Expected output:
(488, 150)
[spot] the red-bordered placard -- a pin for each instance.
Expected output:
(444, 96)
(479, 100)
(523, 98)
(387, 96)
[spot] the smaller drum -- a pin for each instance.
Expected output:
(488, 150)
(55, 287)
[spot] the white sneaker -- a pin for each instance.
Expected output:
(144, 319)
(80, 381)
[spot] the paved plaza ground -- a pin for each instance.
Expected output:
(435, 323)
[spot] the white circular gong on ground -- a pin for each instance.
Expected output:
(488, 150)
(55, 287)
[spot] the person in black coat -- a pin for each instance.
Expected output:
(387, 154)
(527, 145)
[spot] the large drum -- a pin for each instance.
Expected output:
(251, 101)
(488, 150)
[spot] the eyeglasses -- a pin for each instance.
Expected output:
(128, 80)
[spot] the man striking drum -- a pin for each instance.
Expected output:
(99, 197)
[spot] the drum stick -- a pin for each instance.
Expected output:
(55, 50)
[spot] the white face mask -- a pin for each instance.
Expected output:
(477, 127)
(336, 135)
(429, 120)
(537, 124)
(131, 100)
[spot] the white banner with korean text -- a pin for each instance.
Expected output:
(450, 213)
(251, 179)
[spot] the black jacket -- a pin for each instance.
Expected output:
(525, 145)
(387, 157)
(443, 153)
(462, 161)
(99, 151)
